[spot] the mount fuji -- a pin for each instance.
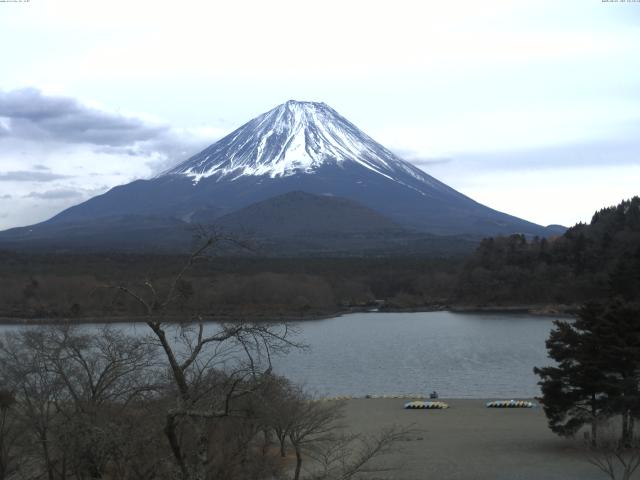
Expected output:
(304, 147)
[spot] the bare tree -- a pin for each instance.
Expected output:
(71, 391)
(314, 429)
(618, 459)
(37, 391)
(10, 434)
(243, 350)
(312, 423)
(281, 402)
(351, 455)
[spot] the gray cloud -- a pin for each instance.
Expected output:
(417, 159)
(426, 161)
(56, 194)
(27, 116)
(172, 147)
(28, 176)
(31, 114)
(6, 197)
(623, 151)
(4, 128)
(120, 150)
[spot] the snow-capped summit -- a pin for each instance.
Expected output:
(343, 178)
(295, 137)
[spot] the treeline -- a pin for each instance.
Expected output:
(81, 286)
(589, 262)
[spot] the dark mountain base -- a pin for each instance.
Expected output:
(296, 224)
(589, 262)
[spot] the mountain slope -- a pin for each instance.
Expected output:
(299, 213)
(297, 146)
(116, 232)
(299, 137)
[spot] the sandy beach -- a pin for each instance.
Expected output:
(471, 442)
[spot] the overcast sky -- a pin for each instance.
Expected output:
(530, 107)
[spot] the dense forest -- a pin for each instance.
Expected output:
(81, 286)
(589, 261)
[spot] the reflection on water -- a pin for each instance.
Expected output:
(458, 355)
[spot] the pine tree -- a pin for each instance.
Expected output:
(573, 392)
(598, 370)
(619, 331)
(624, 280)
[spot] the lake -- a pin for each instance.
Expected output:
(460, 355)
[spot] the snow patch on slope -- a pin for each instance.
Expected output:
(299, 137)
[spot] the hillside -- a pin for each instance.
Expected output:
(589, 261)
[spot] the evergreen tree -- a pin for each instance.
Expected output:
(624, 280)
(619, 332)
(598, 370)
(572, 268)
(573, 392)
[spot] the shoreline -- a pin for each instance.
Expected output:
(468, 441)
(544, 310)
(425, 397)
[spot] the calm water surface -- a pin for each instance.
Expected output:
(458, 355)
